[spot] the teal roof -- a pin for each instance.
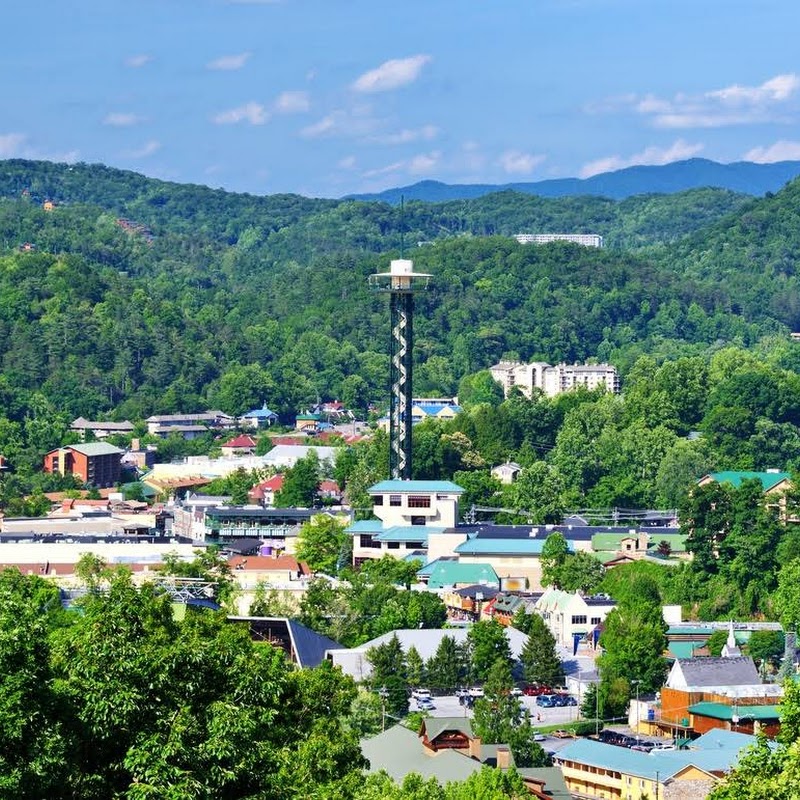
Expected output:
(451, 573)
(768, 479)
(404, 487)
(365, 526)
(724, 711)
(718, 754)
(407, 533)
(502, 547)
(684, 649)
(694, 630)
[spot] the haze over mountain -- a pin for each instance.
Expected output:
(694, 173)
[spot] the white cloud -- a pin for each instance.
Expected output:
(391, 74)
(424, 163)
(292, 103)
(147, 149)
(11, 144)
(418, 165)
(229, 62)
(408, 135)
(780, 151)
(138, 60)
(677, 151)
(121, 119)
(15, 145)
(251, 112)
(718, 108)
(354, 122)
(515, 162)
(348, 162)
(776, 89)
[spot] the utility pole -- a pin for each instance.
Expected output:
(637, 682)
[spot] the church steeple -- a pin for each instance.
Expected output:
(730, 649)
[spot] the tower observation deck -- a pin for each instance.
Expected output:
(401, 283)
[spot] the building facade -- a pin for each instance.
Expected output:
(553, 380)
(96, 464)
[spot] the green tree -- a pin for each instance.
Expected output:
(447, 668)
(389, 675)
(479, 388)
(581, 572)
(487, 644)
(323, 544)
(300, 484)
(554, 553)
(539, 656)
(415, 667)
(539, 490)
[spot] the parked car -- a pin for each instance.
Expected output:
(476, 691)
(516, 692)
(663, 747)
(536, 689)
(562, 734)
(569, 700)
(539, 737)
(425, 704)
(418, 694)
(544, 701)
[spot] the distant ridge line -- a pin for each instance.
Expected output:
(745, 177)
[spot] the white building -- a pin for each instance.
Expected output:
(585, 239)
(408, 512)
(553, 380)
(570, 615)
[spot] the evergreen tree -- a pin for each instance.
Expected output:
(446, 669)
(300, 483)
(539, 657)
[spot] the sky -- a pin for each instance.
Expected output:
(326, 98)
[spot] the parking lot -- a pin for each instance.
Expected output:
(448, 706)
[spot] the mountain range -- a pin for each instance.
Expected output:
(745, 177)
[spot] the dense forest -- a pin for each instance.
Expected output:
(133, 296)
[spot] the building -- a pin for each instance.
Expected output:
(775, 483)
(242, 445)
(571, 616)
(553, 380)
(258, 418)
(100, 430)
(506, 473)
(433, 408)
(585, 239)
(594, 769)
(96, 463)
(408, 512)
(188, 425)
(426, 641)
(697, 689)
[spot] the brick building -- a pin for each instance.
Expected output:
(96, 463)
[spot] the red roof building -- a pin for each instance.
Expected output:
(240, 445)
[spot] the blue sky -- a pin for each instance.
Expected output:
(330, 97)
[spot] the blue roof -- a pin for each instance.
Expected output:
(447, 487)
(512, 547)
(261, 412)
(717, 754)
(365, 526)
(407, 533)
(432, 409)
(450, 573)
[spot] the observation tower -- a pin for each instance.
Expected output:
(401, 283)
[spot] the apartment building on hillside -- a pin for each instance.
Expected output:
(554, 380)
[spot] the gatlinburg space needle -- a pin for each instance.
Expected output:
(401, 282)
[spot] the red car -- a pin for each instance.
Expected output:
(534, 690)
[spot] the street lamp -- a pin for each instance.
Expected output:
(636, 683)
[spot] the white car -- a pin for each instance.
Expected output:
(421, 694)
(539, 737)
(516, 692)
(476, 691)
(661, 748)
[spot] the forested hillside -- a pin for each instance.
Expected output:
(208, 298)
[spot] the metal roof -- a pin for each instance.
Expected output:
(414, 487)
(450, 573)
(510, 547)
(724, 711)
(735, 478)
(95, 449)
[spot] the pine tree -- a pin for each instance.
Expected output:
(539, 657)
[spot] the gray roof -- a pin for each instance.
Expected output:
(553, 779)
(426, 641)
(96, 449)
(739, 671)
(399, 751)
(435, 725)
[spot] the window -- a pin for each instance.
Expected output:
(580, 619)
(414, 545)
(395, 500)
(394, 545)
(595, 620)
(419, 501)
(417, 520)
(377, 500)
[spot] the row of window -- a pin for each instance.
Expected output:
(396, 500)
(580, 619)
